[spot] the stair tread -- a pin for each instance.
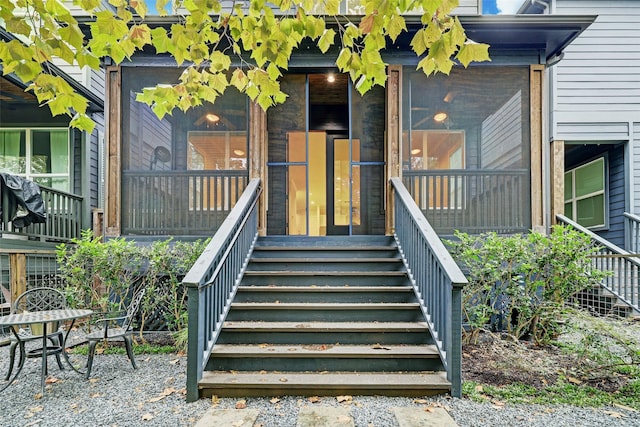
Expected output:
(322, 380)
(325, 350)
(326, 326)
(325, 305)
(322, 273)
(324, 288)
(260, 247)
(323, 259)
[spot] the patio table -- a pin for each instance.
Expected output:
(42, 317)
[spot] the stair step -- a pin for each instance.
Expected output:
(324, 273)
(326, 351)
(322, 288)
(325, 260)
(261, 383)
(359, 327)
(323, 311)
(325, 294)
(324, 306)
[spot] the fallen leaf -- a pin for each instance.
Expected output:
(51, 380)
(38, 396)
(614, 414)
(626, 408)
(94, 395)
(215, 400)
(94, 380)
(173, 362)
(241, 404)
(479, 389)
(275, 400)
(283, 380)
(429, 409)
(497, 402)
(263, 372)
(314, 399)
(574, 380)
(147, 417)
(380, 347)
(36, 409)
(421, 401)
(345, 398)
(156, 399)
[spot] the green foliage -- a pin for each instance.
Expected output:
(524, 280)
(100, 275)
(208, 38)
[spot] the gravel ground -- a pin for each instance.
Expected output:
(154, 396)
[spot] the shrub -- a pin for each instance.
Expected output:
(102, 275)
(521, 283)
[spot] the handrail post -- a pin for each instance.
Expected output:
(194, 343)
(455, 351)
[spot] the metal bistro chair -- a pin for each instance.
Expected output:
(114, 326)
(38, 299)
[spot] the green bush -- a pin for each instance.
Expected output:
(101, 275)
(521, 283)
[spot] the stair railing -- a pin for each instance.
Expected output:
(624, 282)
(632, 232)
(213, 281)
(436, 278)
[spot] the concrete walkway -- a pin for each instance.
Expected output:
(327, 416)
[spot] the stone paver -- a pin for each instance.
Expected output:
(324, 416)
(228, 417)
(420, 417)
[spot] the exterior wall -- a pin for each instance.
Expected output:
(595, 95)
(501, 133)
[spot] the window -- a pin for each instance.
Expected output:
(41, 155)
(584, 194)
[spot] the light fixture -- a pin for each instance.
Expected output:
(440, 117)
(416, 151)
(331, 78)
(238, 152)
(212, 118)
(448, 97)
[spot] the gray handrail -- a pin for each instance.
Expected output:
(436, 278)
(624, 282)
(213, 280)
(632, 232)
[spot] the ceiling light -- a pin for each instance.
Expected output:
(212, 118)
(238, 152)
(440, 117)
(448, 97)
(416, 151)
(331, 78)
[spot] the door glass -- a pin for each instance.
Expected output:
(297, 200)
(341, 188)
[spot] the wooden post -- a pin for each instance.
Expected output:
(17, 274)
(258, 160)
(537, 194)
(557, 179)
(112, 214)
(394, 137)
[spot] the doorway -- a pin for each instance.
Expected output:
(325, 143)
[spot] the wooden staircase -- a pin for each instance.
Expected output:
(324, 316)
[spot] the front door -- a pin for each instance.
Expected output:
(325, 159)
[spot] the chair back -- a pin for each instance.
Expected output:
(136, 300)
(39, 299)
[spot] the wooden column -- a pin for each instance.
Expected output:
(113, 180)
(394, 137)
(17, 274)
(258, 160)
(557, 179)
(537, 193)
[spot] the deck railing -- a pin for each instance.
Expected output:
(436, 278)
(63, 217)
(632, 232)
(624, 281)
(471, 200)
(178, 202)
(213, 280)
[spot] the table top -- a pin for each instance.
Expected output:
(43, 316)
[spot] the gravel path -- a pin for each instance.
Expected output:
(153, 396)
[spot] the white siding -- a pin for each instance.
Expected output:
(635, 176)
(599, 72)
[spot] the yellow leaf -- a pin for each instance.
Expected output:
(344, 398)
(241, 404)
(314, 399)
(275, 400)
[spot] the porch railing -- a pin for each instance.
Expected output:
(178, 202)
(213, 280)
(436, 278)
(632, 232)
(471, 200)
(624, 282)
(63, 221)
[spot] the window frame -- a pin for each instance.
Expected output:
(29, 154)
(573, 199)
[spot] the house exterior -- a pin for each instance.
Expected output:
(593, 112)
